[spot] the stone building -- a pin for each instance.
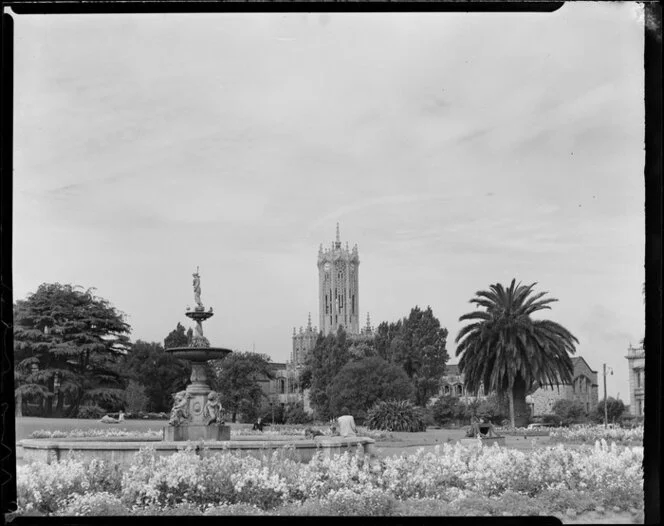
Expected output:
(338, 303)
(583, 388)
(338, 288)
(452, 384)
(303, 342)
(636, 361)
(284, 389)
(338, 299)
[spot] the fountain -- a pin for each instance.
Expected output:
(197, 412)
(196, 420)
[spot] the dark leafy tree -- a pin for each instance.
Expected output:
(360, 384)
(569, 411)
(361, 350)
(238, 378)
(417, 343)
(508, 351)
(68, 350)
(446, 409)
(160, 373)
(422, 353)
(492, 409)
(614, 409)
(177, 338)
(384, 337)
(325, 360)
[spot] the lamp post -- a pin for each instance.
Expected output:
(607, 370)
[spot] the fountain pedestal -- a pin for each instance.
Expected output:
(218, 432)
(196, 414)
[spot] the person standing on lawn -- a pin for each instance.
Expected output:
(346, 424)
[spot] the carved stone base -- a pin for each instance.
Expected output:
(197, 432)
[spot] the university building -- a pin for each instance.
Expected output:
(583, 388)
(338, 306)
(636, 361)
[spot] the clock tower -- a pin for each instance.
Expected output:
(338, 290)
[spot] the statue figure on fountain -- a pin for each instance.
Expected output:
(197, 290)
(213, 410)
(180, 410)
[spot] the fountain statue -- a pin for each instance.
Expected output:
(197, 413)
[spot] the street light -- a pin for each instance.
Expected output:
(607, 370)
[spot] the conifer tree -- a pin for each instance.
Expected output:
(68, 346)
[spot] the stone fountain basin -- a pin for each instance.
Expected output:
(123, 450)
(199, 354)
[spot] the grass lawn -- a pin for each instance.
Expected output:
(403, 443)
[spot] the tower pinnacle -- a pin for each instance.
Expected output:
(309, 323)
(337, 244)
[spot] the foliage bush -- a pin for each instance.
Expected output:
(295, 414)
(614, 409)
(135, 397)
(487, 479)
(90, 411)
(446, 410)
(395, 415)
(492, 409)
(591, 434)
(569, 411)
(360, 384)
(551, 419)
(95, 504)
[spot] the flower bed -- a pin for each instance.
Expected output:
(551, 479)
(97, 434)
(300, 431)
(591, 434)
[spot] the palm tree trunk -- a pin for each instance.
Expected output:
(510, 396)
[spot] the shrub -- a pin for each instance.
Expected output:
(492, 409)
(102, 503)
(569, 411)
(551, 419)
(445, 410)
(360, 384)
(295, 414)
(614, 409)
(395, 415)
(135, 397)
(369, 502)
(90, 411)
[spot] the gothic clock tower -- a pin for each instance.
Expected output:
(338, 290)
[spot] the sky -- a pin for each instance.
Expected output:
(457, 150)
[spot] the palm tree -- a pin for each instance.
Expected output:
(508, 351)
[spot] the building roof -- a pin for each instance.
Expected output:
(452, 369)
(577, 359)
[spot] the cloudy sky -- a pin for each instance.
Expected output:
(456, 150)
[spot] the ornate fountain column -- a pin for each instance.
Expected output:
(197, 413)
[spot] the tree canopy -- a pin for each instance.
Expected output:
(360, 384)
(160, 373)
(237, 381)
(68, 344)
(324, 361)
(506, 350)
(418, 344)
(178, 337)
(614, 409)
